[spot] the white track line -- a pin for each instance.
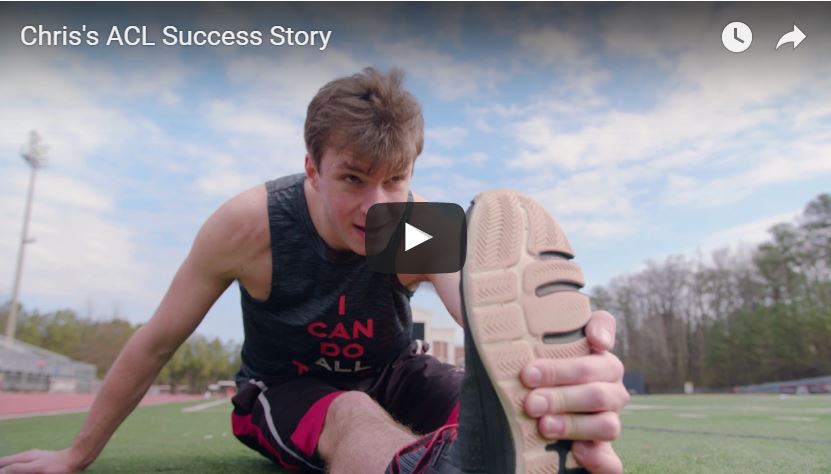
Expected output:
(204, 406)
(69, 411)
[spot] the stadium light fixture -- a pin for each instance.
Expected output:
(34, 153)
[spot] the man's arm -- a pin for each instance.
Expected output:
(447, 287)
(207, 271)
(446, 284)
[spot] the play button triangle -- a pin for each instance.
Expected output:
(413, 236)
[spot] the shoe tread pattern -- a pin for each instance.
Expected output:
(507, 233)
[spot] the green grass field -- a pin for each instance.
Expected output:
(726, 433)
(662, 434)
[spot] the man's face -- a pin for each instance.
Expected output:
(347, 191)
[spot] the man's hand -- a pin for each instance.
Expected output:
(40, 461)
(579, 398)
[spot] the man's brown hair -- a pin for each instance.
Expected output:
(368, 115)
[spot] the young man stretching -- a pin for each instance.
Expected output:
(331, 379)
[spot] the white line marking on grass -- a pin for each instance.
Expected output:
(645, 407)
(204, 406)
(44, 413)
(794, 418)
(730, 435)
(691, 415)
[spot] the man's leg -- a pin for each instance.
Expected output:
(284, 422)
(359, 436)
(419, 391)
(416, 389)
(308, 425)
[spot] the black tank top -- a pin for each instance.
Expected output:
(327, 315)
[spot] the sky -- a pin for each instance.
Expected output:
(631, 123)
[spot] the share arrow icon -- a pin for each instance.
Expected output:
(796, 36)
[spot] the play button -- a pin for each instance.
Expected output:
(415, 237)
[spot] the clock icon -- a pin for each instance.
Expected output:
(736, 37)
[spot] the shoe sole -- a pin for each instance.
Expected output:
(521, 302)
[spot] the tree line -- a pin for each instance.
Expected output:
(198, 362)
(733, 317)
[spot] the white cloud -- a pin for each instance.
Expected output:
(78, 104)
(260, 126)
(714, 128)
(430, 161)
(753, 232)
(446, 136)
(593, 204)
(448, 77)
(230, 118)
(662, 38)
(620, 136)
(450, 187)
(224, 182)
(482, 125)
(602, 191)
(476, 158)
(100, 143)
(808, 163)
(599, 229)
(286, 85)
(553, 46)
(257, 144)
(80, 250)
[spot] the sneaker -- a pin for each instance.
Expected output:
(430, 454)
(520, 301)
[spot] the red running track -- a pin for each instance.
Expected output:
(14, 404)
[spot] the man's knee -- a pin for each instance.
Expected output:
(350, 407)
(349, 411)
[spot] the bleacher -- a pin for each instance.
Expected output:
(808, 385)
(24, 367)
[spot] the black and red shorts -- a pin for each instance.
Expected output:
(283, 421)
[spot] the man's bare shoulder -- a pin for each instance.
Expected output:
(244, 216)
(250, 207)
(236, 232)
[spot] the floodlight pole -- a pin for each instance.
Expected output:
(35, 156)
